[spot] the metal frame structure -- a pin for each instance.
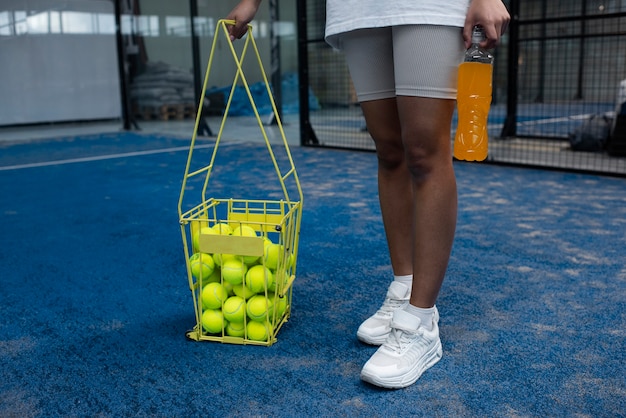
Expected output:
(559, 64)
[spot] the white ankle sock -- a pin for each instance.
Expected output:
(407, 280)
(424, 314)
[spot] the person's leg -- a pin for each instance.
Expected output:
(417, 187)
(413, 343)
(395, 189)
(369, 54)
(424, 105)
(426, 138)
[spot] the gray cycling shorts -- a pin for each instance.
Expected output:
(408, 60)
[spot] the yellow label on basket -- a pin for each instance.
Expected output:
(230, 244)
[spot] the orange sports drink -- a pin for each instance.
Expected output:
(473, 103)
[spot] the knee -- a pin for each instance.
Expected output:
(420, 161)
(389, 149)
(426, 156)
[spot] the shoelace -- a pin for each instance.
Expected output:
(399, 338)
(390, 305)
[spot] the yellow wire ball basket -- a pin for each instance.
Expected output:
(226, 238)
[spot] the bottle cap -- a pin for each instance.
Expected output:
(478, 34)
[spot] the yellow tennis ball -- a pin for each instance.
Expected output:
(213, 321)
(280, 307)
(215, 277)
(202, 265)
(220, 259)
(244, 231)
(259, 278)
(229, 288)
(234, 270)
(213, 295)
(242, 291)
(273, 255)
(195, 238)
(250, 260)
(222, 229)
(234, 309)
(236, 329)
(257, 331)
(281, 278)
(257, 308)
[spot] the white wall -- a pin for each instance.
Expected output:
(53, 67)
(58, 59)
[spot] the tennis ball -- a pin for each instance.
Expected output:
(236, 329)
(195, 238)
(220, 259)
(215, 277)
(222, 229)
(279, 281)
(280, 306)
(229, 288)
(213, 321)
(213, 295)
(250, 260)
(257, 331)
(202, 265)
(247, 231)
(273, 254)
(242, 291)
(234, 309)
(257, 307)
(234, 270)
(244, 231)
(258, 277)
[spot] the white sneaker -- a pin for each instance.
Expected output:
(406, 354)
(375, 329)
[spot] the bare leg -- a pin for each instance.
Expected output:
(395, 188)
(417, 187)
(426, 135)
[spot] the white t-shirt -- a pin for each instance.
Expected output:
(347, 15)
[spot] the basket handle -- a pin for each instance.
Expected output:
(221, 28)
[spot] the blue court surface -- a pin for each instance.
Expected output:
(95, 300)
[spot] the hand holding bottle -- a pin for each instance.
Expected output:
(492, 16)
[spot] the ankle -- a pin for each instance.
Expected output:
(425, 315)
(406, 280)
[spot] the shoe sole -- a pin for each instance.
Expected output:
(410, 377)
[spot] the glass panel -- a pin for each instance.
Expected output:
(63, 62)
(159, 52)
(222, 75)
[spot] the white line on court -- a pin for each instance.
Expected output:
(101, 157)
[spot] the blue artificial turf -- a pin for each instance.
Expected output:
(95, 301)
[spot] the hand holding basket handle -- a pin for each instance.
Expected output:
(240, 16)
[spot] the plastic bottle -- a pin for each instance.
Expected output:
(473, 101)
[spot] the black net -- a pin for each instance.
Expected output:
(556, 87)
